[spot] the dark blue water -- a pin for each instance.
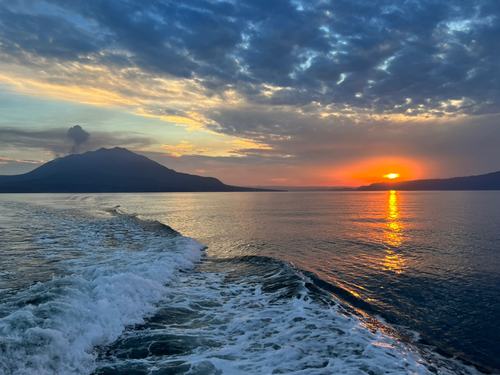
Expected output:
(425, 263)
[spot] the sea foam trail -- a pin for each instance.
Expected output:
(122, 273)
(257, 315)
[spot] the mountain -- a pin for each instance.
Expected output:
(108, 171)
(490, 181)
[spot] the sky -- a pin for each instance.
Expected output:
(256, 92)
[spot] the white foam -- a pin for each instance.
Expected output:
(113, 283)
(259, 333)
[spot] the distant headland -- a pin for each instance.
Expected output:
(116, 170)
(490, 181)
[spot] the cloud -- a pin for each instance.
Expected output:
(184, 148)
(10, 160)
(55, 140)
(325, 52)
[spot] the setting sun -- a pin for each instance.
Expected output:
(392, 175)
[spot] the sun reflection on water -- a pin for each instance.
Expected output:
(393, 261)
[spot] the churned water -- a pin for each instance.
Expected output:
(302, 283)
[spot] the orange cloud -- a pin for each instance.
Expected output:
(244, 143)
(174, 154)
(9, 160)
(184, 147)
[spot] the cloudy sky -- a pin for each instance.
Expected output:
(256, 92)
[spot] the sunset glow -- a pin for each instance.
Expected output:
(378, 169)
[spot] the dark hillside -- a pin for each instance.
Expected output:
(490, 181)
(108, 170)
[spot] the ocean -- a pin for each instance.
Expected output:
(250, 283)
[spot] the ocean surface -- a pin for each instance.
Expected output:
(250, 283)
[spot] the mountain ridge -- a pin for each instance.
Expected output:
(107, 171)
(488, 181)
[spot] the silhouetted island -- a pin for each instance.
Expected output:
(490, 181)
(114, 170)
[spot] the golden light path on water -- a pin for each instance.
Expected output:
(393, 261)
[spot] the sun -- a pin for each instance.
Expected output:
(392, 175)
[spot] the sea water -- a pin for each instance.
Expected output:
(290, 283)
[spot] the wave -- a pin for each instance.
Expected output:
(259, 315)
(121, 276)
(153, 225)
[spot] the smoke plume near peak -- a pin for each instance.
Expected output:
(78, 136)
